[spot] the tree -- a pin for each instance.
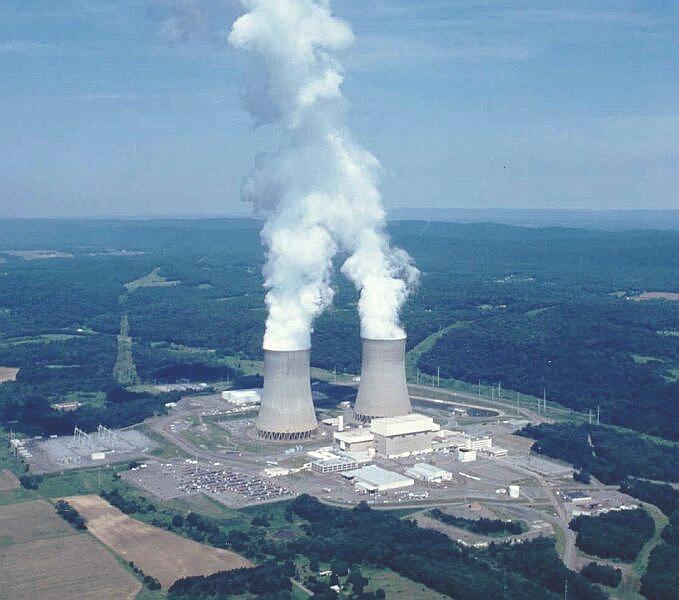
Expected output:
(582, 476)
(177, 521)
(339, 567)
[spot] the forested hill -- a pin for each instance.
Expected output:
(535, 308)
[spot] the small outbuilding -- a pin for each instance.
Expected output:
(429, 473)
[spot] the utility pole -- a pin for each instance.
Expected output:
(589, 419)
(417, 377)
(479, 388)
(438, 376)
(499, 391)
(517, 403)
(597, 414)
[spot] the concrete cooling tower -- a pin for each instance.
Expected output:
(287, 410)
(383, 391)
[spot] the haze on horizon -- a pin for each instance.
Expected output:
(134, 107)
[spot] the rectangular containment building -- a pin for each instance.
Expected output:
(404, 435)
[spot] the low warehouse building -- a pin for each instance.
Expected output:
(375, 479)
(241, 397)
(466, 455)
(403, 436)
(429, 473)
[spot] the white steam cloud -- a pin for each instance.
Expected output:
(319, 189)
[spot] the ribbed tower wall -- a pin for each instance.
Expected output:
(287, 409)
(383, 391)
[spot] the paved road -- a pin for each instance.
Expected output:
(570, 554)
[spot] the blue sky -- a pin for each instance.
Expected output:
(132, 107)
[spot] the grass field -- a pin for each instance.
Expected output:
(30, 521)
(58, 568)
(41, 556)
(153, 279)
(158, 552)
(8, 374)
(8, 480)
(397, 587)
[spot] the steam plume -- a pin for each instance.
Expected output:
(319, 189)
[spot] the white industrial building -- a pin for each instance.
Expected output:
(497, 452)
(466, 455)
(355, 440)
(376, 479)
(446, 440)
(241, 397)
(429, 473)
(337, 464)
(403, 436)
(480, 443)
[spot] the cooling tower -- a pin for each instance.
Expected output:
(383, 391)
(287, 410)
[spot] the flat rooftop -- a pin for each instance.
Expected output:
(377, 476)
(426, 470)
(403, 425)
(353, 436)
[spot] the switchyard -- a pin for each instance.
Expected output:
(82, 449)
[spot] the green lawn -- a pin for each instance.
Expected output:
(81, 481)
(397, 587)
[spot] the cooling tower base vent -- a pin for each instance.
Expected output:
(277, 436)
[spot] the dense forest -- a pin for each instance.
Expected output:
(603, 574)
(610, 455)
(536, 309)
(528, 570)
(616, 534)
(482, 526)
(662, 495)
(661, 579)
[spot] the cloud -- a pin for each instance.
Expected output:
(25, 46)
(182, 20)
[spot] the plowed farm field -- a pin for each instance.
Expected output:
(41, 556)
(158, 552)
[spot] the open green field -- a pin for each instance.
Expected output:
(152, 279)
(396, 586)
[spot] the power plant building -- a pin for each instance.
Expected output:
(480, 443)
(466, 455)
(429, 473)
(335, 465)
(242, 397)
(404, 435)
(355, 440)
(382, 391)
(376, 479)
(287, 409)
